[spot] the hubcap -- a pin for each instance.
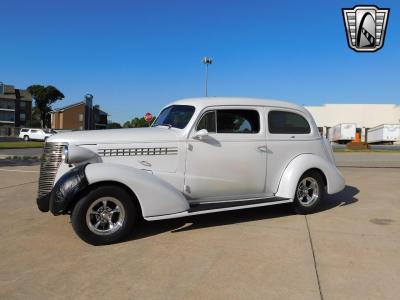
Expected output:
(105, 216)
(308, 191)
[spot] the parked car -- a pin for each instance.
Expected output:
(34, 134)
(199, 156)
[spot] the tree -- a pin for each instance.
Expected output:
(44, 97)
(127, 124)
(34, 122)
(113, 125)
(139, 122)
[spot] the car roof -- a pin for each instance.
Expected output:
(236, 101)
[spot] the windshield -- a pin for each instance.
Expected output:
(177, 116)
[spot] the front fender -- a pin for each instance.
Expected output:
(299, 165)
(156, 197)
(66, 188)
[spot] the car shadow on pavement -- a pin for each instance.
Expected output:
(345, 197)
(146, 229)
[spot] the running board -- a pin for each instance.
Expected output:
(207, 208)
(227, 204)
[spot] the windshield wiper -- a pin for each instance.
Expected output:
(164, 124)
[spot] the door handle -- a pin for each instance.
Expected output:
(262, 148)
(145, 163)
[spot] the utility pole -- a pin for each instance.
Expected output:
(207, 61)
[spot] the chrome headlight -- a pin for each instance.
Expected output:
(65, 155)
(76, 154)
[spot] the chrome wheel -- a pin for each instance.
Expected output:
(105, 216)
(308, 191)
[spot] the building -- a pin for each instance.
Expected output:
(79, 116)
(365, 116)
(15, 106)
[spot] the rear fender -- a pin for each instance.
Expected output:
(299, 165)
(156, 197)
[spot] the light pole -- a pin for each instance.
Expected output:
(207, 61)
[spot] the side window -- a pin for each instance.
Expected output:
(207, 122)
(33, 131)
(285, 122)
(238, 121)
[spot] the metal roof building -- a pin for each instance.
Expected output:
(363, 115)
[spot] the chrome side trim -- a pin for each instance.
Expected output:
(138, 151)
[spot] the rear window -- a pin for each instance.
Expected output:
(284, 122)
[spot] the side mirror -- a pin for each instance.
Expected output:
(201, 134)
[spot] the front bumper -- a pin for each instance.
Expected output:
(43, 203)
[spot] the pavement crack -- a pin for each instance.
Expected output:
(314, 259)
(11, 186)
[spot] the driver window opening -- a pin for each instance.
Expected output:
(208, 122)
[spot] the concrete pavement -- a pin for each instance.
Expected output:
(21, 152)
(348, 250)
(368, 159)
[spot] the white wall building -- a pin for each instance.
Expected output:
(363, 115)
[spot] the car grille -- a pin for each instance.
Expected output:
(50, 161)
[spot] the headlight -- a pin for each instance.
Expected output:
(75, 154)
(65, 155)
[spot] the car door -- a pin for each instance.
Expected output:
(33, 134)
(289, 134)
(230, 161)
(41, 135)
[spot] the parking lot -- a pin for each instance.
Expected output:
(348, 250)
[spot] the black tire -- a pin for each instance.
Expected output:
(79, 213)
(26, 138)
(300, 206)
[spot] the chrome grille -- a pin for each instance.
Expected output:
(50, 161)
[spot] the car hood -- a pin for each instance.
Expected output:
(115, 136)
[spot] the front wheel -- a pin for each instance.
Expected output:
(309, 192)
(26, 138)
(105, 215)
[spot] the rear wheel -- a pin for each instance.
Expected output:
(309, 192)
(105, 215)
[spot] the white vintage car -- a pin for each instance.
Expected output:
(199, 156)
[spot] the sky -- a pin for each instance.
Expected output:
(137, 56)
